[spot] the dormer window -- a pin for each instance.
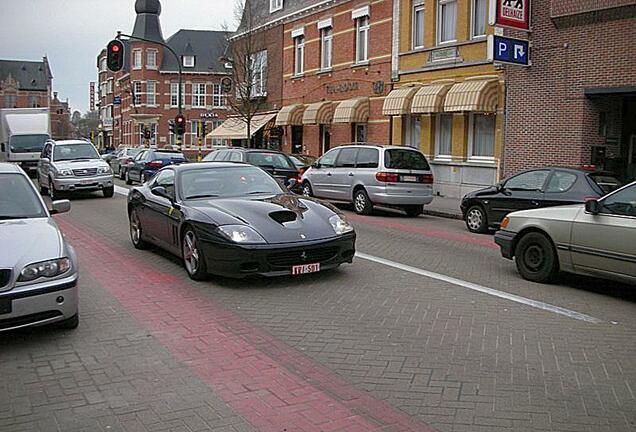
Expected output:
(188, 61)
(275, 5)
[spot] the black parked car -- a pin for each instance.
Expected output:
(484, 209)
(149, 161)
(236, 220)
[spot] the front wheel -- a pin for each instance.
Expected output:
(53, 193)
(536, 258)
(122, 174)
(128, 180)
(193, 258)
(136, 231)
(109, 192)
(414, 210)
(307, 189)
(361, 203)
(476, 220)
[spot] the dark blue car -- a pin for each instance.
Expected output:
(149, 161)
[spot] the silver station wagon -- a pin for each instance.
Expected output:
(38, 268)
(366, 175)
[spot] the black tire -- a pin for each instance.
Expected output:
(122, 174)
(307, 190)
(195, 267)
(136, 231)
(109, 192)
(476, 219)
(53, 193)
(361, 203)
(414, 210)
(69, 323)
(536, 258)
(44, 190)
(128, 180)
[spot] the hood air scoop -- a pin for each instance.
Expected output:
(283, 216)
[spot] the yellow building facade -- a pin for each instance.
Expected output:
(447, 98)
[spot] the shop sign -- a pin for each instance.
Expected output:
(510, 13)
(209, 115)
(378, 87)
(441, 54)
(343, 87)
(503, 49)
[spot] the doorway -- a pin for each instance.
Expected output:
(325, 139)
(297, 139)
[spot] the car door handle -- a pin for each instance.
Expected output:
(329, 174)
(350, 174)
(535, 203)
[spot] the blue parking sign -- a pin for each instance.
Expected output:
(503, 49)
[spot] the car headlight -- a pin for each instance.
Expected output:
(64, 172)
(340, 224)
(240, 234)
(47, 269)
(104, 170)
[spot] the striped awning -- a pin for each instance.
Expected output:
(318, 113)
(398, 102)
(290, 115)
(430, 98)
(354, 110)
(236, 128)
(474, 94)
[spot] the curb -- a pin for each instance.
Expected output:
(442, 213)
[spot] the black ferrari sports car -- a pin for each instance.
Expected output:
(236, 220)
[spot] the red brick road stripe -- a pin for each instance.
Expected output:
(273, 386)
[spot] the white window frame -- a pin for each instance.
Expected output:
(410, 138)
(109, 86)
(471, 139)
(299, 55)
(275, 5)
(151, 96)
(440, 4)
(259, 74)
(137, 59)
(137, 99)
(473, 16)
(102, 65)
(153, 64)
(188, 61)
(219, 99)
(438, 132)
(198, 98)
(363, 26)
(326, 48)
(418, 6)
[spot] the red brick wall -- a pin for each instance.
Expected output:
(549, 121)
(23, 98)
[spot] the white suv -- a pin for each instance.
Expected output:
(366, 175)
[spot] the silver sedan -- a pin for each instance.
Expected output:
(38, 268)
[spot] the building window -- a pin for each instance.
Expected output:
(216, 141)
(299, 55)
(444, 136)
(219, 99)
(297, 139)
(34, 101)
(174, 94)
(151, 60)
(102, 64)
(418, 24)
(326, 46)
(482, 136)
(480, 9)
(136, 59)
(137, 93)
(198, 94)
(275, 5)
(188, 61)
(412, 131)
(109, 87)
(359, 132)
(194, 132)
(362, 39)
(151, 90)
(259, 74)
(446, 20)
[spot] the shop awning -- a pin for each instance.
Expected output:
(474, 94)
(430, 99)
(290, 115)
(318, 113)
(398, 102)
(352, 111)
(236, 128)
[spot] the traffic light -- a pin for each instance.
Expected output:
(179, 124)
(115, 55)
(171, 127)
(146, 133)
(203, 129)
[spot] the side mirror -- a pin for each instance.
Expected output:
(499, 187)
(291, 183)
(162, 192)
(593, 206)
(61, 206)
(315, 165)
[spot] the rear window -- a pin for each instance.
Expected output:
(405, 159)
(274, 160)
(606, 182)
(167, 155)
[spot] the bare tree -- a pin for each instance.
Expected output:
(245, 101)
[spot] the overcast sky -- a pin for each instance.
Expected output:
(72, 33)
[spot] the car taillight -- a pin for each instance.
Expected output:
(387, 177)
(427, 178)
(155, 164)
(301, 171)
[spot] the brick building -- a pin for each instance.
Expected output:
(61, 127)
(25, 84)
(144, 95)
(576, 104)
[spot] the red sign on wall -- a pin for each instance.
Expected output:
(92, 95)
(510, 13)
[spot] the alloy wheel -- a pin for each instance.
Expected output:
(360, 202)
(135, 227)
(190, 252)
(475, 219)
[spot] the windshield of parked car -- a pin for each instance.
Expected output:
(622, 202)
(275, 160)
(27, 143)
(132, 152)
(226, 182)
(18, 200)
(405, 159)
(64, 152)
(169, 155)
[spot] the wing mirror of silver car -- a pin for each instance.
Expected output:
(61, 206)
(592, 206)
(315, 165)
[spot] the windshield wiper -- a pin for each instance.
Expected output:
(201, 196)
(260, 192)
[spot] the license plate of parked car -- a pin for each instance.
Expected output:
(305, 268)
(5, 306)
(412, 179)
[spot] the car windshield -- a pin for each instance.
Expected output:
(132, 152)
(405, 159)
(66, 152)
(226, 182)
(274, 160)
(27, 143)
(18, 200)
(169, 155)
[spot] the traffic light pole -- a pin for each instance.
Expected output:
(176, 56)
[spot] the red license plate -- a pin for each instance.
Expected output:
(305, 268)
(410, 179)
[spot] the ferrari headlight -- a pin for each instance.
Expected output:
(104, 170)
(340, 224)
(240, 234)
(65, 172)
(46, 269)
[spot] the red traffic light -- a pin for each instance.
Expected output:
(115, 48)
(179, 119)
